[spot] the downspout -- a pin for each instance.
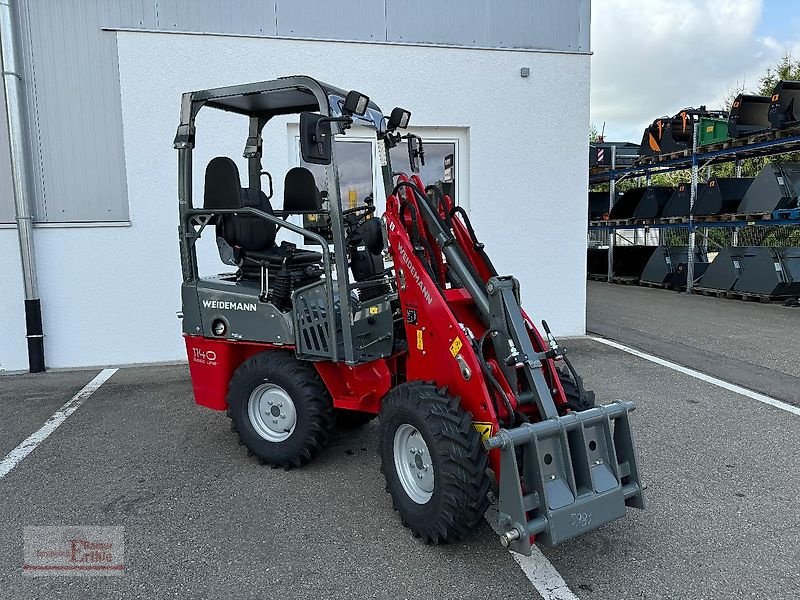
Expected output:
(14, 96)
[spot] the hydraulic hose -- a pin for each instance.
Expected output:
(487, 371)
(419, 241)
(452, 251)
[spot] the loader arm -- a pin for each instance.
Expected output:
(561, 474)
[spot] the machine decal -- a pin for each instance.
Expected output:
(226, 305)
(411, 269)
(373, 310)
(420, 342)
(456, 346)
(204, 357)
(484, 429)
(411, 316)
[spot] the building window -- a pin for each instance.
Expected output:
(356, 173)
(439, 168)
(360, 171)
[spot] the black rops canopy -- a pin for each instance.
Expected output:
(285, 95)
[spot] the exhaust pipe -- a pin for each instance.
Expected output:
(12, 80)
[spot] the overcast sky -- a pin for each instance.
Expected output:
(655, 57)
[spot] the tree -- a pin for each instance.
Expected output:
(787, 69)
(594, 135)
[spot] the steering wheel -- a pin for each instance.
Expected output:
(368, 208)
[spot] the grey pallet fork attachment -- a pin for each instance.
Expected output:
(579, 471)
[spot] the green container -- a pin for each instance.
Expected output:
(713, 131)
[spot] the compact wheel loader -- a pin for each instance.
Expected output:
(403, 317)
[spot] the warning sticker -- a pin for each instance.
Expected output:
(373, 310)
(484, 429)
(420, 343)
(455, 347)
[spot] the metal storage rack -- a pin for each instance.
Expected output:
(763, 144)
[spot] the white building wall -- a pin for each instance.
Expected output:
(109, 294)
(13, 348)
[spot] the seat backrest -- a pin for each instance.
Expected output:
(300, 192)
(223, 190)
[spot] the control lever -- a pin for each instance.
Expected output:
(262, 296)
(555, 350)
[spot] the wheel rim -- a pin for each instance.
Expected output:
(272, 413)
(412, 461)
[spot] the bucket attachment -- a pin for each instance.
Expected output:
(678, 205)
(629, 261)
(724, 270)
(578, 472)
(662, 267)
(784, 108)
(749, 114)
(652, 137)
(681, 129)
(597, 261)
(722, 196)
(776, 187)
(653, 201)
(769, 272)
(626, 204)
(680, 276)
(713, 130)
(598, 205)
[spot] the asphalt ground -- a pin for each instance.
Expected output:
(751, 344)
(203, 520)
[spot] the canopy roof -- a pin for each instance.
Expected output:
(286, 95)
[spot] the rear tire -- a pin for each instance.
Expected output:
(280, 409)
(433, 462)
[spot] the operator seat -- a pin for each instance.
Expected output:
(248, 241)
(300, 192)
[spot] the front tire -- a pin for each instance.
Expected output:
(433, 461)
(280, 409)
(578, 397)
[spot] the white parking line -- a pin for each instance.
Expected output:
(16, 456)
(702, 376)
(539, 571)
